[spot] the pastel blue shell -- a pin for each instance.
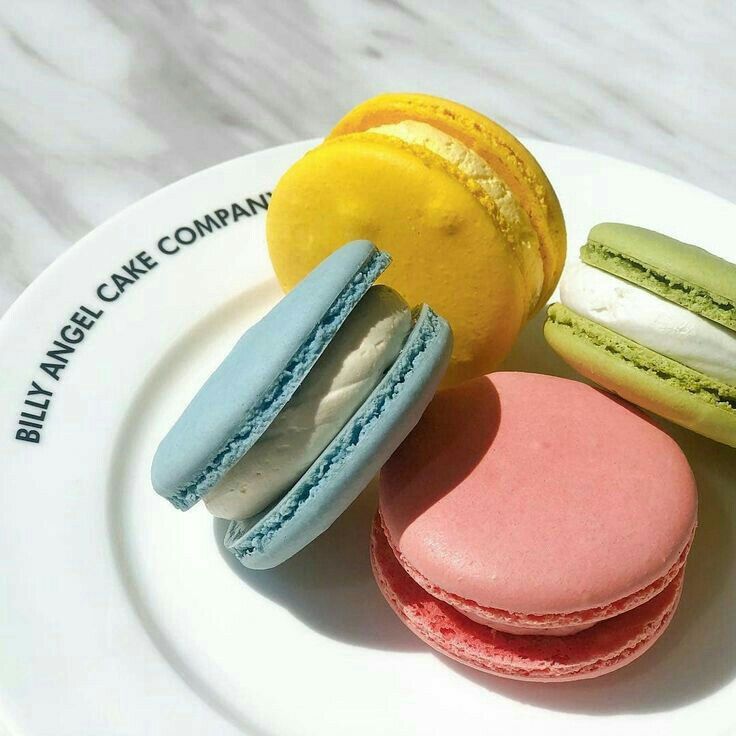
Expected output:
(251, 386)
(356, 454)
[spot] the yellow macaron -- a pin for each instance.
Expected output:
(472, 223)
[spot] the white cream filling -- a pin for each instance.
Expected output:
(364, 348)
(650, 320)
(473, 166)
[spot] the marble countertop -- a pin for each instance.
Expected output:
(103, 102)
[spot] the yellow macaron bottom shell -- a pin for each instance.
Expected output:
(447, 251)
(504, 153)
(513, 220)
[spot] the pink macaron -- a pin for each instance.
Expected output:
(535, 527)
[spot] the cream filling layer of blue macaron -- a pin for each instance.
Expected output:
(650, 320)
(352, 365)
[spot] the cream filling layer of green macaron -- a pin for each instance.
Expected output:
(676, 374)
(352, 365)
(650, 320)
(518, 224)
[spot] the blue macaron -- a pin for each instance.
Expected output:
(254, 383)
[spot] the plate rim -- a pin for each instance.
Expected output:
(37, 288)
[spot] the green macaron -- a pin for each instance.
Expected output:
(676, 272)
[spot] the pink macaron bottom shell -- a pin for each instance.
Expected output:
(599, 649)
(549, 624)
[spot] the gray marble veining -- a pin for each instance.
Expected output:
(102, 102)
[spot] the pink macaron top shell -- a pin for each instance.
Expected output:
(538, 495)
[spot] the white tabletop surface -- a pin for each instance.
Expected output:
(103, 102)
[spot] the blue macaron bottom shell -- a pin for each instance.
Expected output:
(354, 457)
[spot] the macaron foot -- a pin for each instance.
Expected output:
(603, 648)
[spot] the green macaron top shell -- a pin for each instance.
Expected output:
(682, 273)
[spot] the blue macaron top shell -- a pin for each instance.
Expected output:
(356, 454)
(251, 386)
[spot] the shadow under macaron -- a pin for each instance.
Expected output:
(532, 354)
(696, 656)
(329, 585)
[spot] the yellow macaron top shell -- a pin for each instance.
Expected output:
(505, 154)
(472, 223)
(413, 204)
(511, 217)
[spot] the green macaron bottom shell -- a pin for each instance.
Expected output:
(354, 457)
(681, 273)
(644, 377)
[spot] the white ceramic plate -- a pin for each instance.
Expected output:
(119, 615)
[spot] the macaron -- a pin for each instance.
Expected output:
(305, 409)
(472, 221)
(535, 528)
(653, 320)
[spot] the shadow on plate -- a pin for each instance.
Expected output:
(532, 354)
(696, 656)
(329, 585)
